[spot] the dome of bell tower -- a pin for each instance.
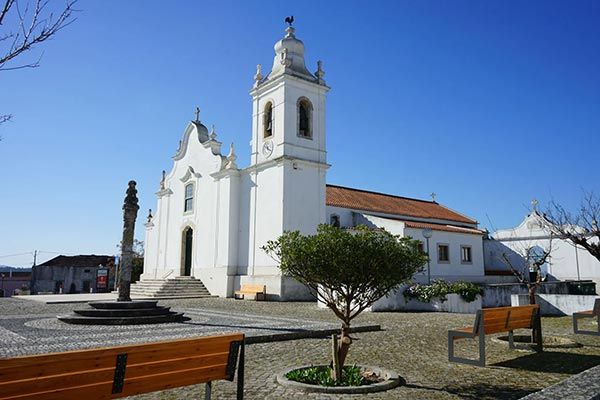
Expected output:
(289, 57)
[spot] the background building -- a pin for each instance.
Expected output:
(14, 280)
(566, 261)
(72, 274)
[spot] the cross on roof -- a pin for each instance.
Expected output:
(197, 114)
(534, 204)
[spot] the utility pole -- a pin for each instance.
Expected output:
(35, 257)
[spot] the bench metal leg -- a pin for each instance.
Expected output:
(452, 358)
(208, 393)
(511, 340)
(578, 331)
(240, 377)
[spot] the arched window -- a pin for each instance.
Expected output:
(268, 120)
(189, 197)
(304, 118)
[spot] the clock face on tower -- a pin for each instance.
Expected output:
(267, 148)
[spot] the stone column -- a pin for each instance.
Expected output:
(130, 209)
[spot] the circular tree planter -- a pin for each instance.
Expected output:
(389, 380)
(551, 342)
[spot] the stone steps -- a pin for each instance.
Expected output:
(123, 313)
(177, 287)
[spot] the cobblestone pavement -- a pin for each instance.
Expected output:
(32, 333)
(412, 344)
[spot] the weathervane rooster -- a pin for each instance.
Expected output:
(289, 20)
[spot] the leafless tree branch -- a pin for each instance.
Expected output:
(34, 26)
(30, 27)
(582, 228)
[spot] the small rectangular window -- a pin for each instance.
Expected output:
(189, 198)
(443, 253)
(466, 256)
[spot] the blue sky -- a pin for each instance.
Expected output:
(486, 103)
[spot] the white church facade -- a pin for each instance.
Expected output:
(213, 217)
(565, 262)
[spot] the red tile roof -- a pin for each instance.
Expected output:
(356, 199)
(442, 227)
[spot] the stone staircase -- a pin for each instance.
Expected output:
(173, 288)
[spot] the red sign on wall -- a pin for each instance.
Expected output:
(102, 279)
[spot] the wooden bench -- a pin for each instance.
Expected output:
(259, 291)
(594, 313)
(497, 320)
(114, 372)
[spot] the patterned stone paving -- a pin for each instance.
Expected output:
(44, 333)
(412, 344)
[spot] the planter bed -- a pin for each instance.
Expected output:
(378, 379)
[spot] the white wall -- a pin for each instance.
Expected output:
(455, 269)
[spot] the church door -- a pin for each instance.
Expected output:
(187, 246)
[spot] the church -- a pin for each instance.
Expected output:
(213, 217)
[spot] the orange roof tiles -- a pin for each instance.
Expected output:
(356, 199)
(442, 227)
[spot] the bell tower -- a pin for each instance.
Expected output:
(289, 159)
(289, 107)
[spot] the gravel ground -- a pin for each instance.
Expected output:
(412, 344)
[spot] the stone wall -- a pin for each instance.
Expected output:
(499, 295)
(557, 304)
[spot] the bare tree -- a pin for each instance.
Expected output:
(581, 229)
(525, 262)
(23, 27)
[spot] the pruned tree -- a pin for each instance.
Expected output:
(347, 270)
(581, 228)
(25, 25)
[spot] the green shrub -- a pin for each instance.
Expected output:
(468, 291)
(321, 375)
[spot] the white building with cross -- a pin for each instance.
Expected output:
(532, 236)
(213, 217)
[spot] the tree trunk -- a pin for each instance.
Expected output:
(344, 344)
(531, 289)
(336, 371)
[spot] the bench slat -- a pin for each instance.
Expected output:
(170, 380)
(103, 390)
(19, 368)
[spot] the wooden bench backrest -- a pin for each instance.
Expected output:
(94, 374)
(504, 319)
(253, 287)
